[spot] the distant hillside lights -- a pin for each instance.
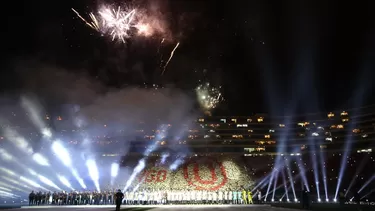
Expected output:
(261, 142)
(344, 116)
(303, 124)
(337, 126)
(193, 136)
(242, 125)
(323, 146)
(356, 130)
(315, 134)
(340, 126)
(364, 151)
(237, 136)
(344, 113)
(257, 149)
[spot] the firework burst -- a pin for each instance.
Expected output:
(120, 23)
(208, 97)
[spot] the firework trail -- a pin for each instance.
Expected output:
(94, 24)
(170, 57)
(159, 54)
(161, 43)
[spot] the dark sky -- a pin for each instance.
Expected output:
(269, 56)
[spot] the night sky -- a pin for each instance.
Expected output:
(268, 56)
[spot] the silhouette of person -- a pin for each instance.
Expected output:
(119, 197)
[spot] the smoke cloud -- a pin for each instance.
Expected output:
(97, 106)
(80, 110)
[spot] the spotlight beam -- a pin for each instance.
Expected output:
(313, 157)
(16, 182)
(323, 167)
(274, 185)
(288, 171)
(5, 154)
(285, 184)
(63, 155)
(141, 164)
(367, 194)
(302, 171)
(366, 183)
(358, 170)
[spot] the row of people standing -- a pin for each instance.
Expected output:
(140, 197)
(188, 197)
(71, 198)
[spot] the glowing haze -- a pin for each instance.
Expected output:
(47, 148)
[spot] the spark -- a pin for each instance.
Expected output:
(158, 52)
(161, 43)
(208, 97)
(170, 57)
(94, 24)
